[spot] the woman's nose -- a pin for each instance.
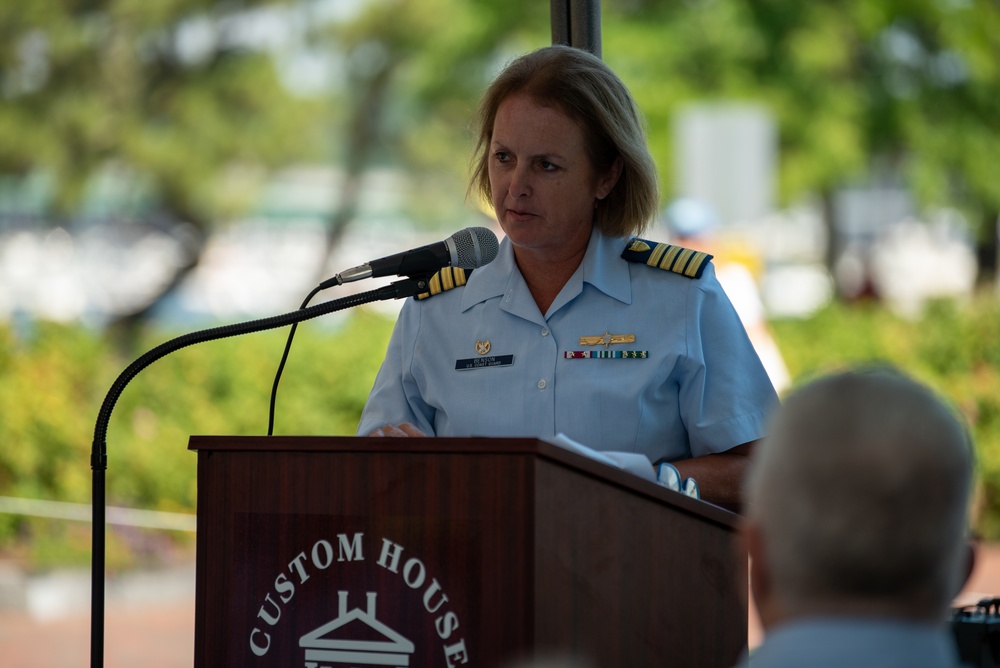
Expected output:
(520, 185)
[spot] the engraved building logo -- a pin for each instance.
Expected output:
(336, 644)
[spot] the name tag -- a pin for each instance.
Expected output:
(484, 362)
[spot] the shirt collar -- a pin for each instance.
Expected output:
(602, 267)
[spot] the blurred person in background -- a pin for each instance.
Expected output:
(694, 224)
(857, 519)
(578, 327)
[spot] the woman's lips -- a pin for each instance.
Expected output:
(519, 216)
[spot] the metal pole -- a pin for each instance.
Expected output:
(99, 456)
(99, 463)
(585, 25)
(559, 13)
(577, 23)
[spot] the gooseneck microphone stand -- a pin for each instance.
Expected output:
(99, 454)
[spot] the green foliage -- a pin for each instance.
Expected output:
(857, 88)
(44, 383)
(53, 381)
(841, 334)
(955, 348)
(414, 81)
(88, 87)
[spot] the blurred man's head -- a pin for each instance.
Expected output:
(858, 501)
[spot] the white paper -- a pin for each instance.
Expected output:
(633, 462)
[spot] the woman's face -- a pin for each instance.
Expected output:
(544, 185)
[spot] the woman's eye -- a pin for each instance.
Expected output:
(501, 156)
(547, 166)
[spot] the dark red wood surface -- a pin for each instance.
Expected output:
(478, 549)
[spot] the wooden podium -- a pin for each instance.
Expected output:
(333, 552)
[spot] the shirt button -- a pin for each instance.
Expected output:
(542, 384)
(545, 332)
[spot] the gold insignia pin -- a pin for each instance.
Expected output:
(638, 245)
(482, 347)
(607, 339)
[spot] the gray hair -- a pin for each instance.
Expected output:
(861, 490)
(580, 85)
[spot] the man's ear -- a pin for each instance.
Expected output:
(760, 575)
(969, 565)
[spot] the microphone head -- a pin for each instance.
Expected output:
(473, 247)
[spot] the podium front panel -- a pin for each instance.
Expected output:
(341, 552)
(620, 578)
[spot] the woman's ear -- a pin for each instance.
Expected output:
(610, 178)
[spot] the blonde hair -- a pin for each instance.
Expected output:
(580, 85)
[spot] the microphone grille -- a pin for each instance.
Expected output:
(475, 246)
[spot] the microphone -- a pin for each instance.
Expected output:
(469, 249)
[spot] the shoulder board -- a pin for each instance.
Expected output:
(446, 279)
(680, 260)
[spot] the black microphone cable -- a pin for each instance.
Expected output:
(469, 248)
(99, 451)
(284, 358)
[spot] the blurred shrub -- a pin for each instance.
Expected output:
(53, 380)
(953, 347)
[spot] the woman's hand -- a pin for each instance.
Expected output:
(404, 430)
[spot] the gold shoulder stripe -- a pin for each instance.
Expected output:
(446, 279)
(680, 260)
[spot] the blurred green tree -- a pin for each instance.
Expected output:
(859, 89)
(181, 101)
(182, 104)
(415, 72)
(171, 98)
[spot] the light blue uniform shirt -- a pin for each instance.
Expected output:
(849, 642)
(701, 388)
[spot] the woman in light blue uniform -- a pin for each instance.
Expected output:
(578, 326)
